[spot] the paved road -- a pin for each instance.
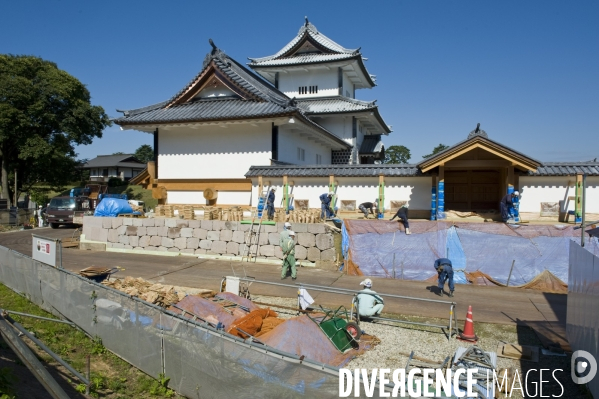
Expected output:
(490, 304)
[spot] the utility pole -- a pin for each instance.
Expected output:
(16, 203)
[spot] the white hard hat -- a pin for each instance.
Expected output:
(405, 205)
(291, 233)
(273, 189)
(516, 193)
(287, 224)
(331, 193)
(367, 283)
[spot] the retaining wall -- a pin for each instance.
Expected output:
(211, 237)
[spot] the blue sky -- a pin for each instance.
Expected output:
(526, 70)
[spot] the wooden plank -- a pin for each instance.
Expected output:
(202, 184)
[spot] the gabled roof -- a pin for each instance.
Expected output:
(390, 170)
(480, 140)
(372, 145)
(310, 46)
(121, 160)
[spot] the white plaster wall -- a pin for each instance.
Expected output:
(290, 140)
(326, 80)
(234, 198)
(348, 86)
(197, 197)
(535, 190)
(341, 126)
(213, 152)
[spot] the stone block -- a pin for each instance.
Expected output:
(232, 248)
(170, 222)
(214, 235)
(173, 249)
(188, 251)
(238, 237)
(270, 228)
(150, 248)
(134, 241)
(263, 239)
(267, 250)
(243, 250)
(200, 233)
(92, 246)
(144, 241)
(205, 244)
(167, 242)
(142, 231)
(226, 235)
(273, 238)
(278, 252)
(116, 222)
(162, 249)
(101, 235)
(181, 223)
(316, 228)
(158, 222)
(107, 223)
(244, 227)
(306, 239)
(313, 254)
(328, 254)
(152, 231)
(324, 241)
(117, 245)
(127, 222)
(195, 224)
(301, 253)
(180, 242)
(229, 225)
(186, 232)
(206, 224)
(92, 221)
(124, 240)
(149, 222)
(220, 247)
(127, 247)
(174, 232)
(299, 227)
(163, 231)
(200, 251)
(193, 242)
(113, 236)
(138, 222)
(131, 231)
(155, 241)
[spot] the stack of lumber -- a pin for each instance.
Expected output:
(169, 212)
(159, 210)
(95, 271)
(217, 214)
(308, 216)
(188, 213)
(208, 213)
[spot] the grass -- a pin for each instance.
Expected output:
(111, 377)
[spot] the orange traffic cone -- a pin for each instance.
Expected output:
(468, 334)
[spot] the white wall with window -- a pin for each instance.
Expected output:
(294, 82)
(299, 150)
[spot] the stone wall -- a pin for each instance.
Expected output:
(212, 237)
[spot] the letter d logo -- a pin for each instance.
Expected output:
(583, 367)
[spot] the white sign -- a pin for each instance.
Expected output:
(43, 249)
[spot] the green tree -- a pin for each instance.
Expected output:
(397, 154)
(118, 153)
(145, 153)
(44, 113)
(436, 150)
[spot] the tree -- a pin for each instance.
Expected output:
(44, 113)
(436, 150)
(145, 153)
(397, 154)
(118, 153)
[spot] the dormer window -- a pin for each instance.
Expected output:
(308, 90)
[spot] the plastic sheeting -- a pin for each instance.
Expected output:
(111, 207)
(379, 248)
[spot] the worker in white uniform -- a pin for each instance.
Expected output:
(40, 217)
(369, 302)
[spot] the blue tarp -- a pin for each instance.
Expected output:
(112, 207)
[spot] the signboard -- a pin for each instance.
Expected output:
(44, 249)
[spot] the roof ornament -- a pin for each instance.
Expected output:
(291, 103)
(307, 22)
(214, 53)
(478, 132)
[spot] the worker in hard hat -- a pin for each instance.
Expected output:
(369, 302)
(325, 205)
(402, 214)
(40, 216)
(270, 204)
(284, 234)
(288, 249)
(445, 271)
(507, 204)
(365, 207)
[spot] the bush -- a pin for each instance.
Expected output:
(115, 182)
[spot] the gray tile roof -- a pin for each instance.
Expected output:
(334, 105)
(371, 145)
(304, 59)
(122, 160)
(566, 169)
(392, 170)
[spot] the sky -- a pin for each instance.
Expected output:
(527, 71)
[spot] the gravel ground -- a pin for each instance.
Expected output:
(397, 341)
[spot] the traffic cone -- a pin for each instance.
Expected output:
(468, 334)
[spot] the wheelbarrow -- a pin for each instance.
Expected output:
(342, 333)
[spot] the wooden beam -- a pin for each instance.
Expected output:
(202, 184)
(477, 164)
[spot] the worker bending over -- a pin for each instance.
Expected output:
(270, 204)
(369, 302)
(325, 205)
(288, 249)
(445, 271)
(402, 214)
(507, 204)
(366, 206)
